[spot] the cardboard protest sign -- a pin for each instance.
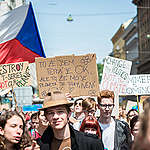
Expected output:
(76, 75)
(14, 75)
(138, 85)
(115, 75)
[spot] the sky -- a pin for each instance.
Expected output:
(94, 24)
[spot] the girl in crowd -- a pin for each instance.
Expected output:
(33, 130)
(12, 133)
(91, 125)
(134, 126)
(43, 123)
(131, 113)
(89, 106)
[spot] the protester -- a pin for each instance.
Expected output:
(78, 109)
(134, 126)
(60, 135)
(12, 133)
(43, 123)
(115, 133)
(131, 113)
(91, 125)
(89, 106)
(77, 114)
(89, 109)
(33, 130)
(122, 115)
(142, 140)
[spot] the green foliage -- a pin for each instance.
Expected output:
(100, 71)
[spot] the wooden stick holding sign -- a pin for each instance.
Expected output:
(14, 95)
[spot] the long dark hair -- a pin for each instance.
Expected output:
(24, 142)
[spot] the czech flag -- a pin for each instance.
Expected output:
(19, 36)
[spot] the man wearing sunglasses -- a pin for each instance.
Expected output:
(77, 115)
(115, 133)
(89, 108)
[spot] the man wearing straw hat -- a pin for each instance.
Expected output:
(60, 135)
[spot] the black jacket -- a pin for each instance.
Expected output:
(122, 139)
(79, 140)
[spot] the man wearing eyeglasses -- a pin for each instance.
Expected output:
(115, 133)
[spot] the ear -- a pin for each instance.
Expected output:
(1, 131)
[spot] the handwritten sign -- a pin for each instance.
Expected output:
(76, 75)
(14, 75)
(115, 75)
(138, 85)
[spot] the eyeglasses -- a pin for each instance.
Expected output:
(78, 103)
(110, 106)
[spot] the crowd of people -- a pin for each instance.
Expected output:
(65, 125)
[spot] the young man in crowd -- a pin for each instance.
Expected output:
(60, 135)
(115, 133)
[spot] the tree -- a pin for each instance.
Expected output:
(100, 71)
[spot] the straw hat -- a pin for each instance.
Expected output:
(55, 99)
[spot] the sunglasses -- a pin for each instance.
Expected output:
(78, 103)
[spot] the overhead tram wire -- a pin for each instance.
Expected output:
(94, 14)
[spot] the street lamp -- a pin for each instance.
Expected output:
(148, 36)
(70, 19)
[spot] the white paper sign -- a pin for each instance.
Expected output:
(138, 85)
(115, 75)
(115, 78)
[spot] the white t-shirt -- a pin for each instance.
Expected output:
(77, 125)
(108, 134)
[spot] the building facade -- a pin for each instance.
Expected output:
(7, 5)
(143, 19)
(130, 36)
(119, 42)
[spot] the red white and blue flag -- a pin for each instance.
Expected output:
(19, 36)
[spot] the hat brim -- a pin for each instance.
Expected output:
(69, 104)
